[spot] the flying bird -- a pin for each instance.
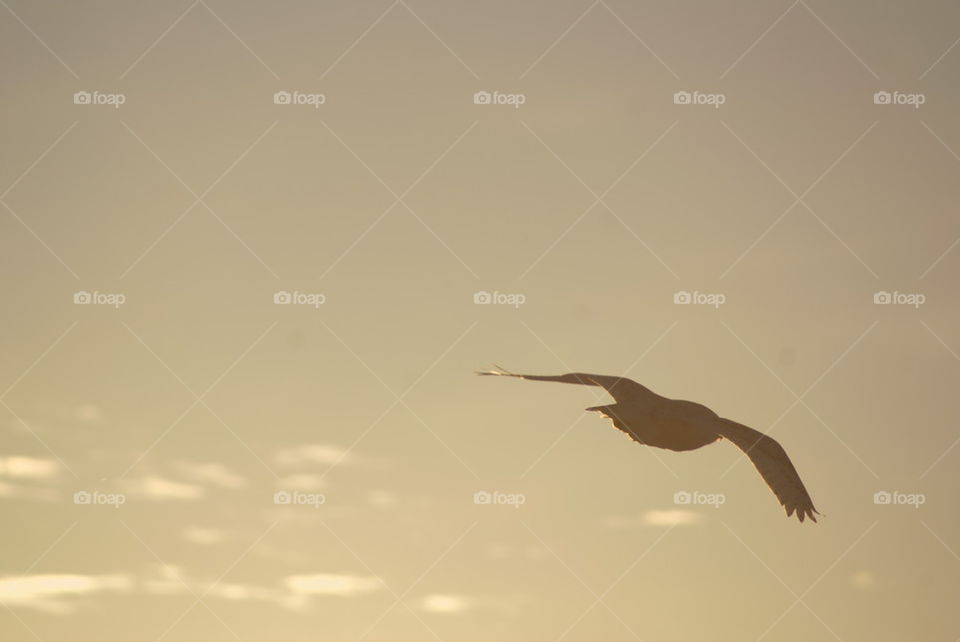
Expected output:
(680, 425)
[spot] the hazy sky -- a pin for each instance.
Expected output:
(259, 248)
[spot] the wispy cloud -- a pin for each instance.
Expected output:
(63, 593)
(52, 593)
(673, 517)
(211, 473)
(439, 603)
(312, 453)
(203, 536)
(154, 487)
(343, 585)
(24, 467)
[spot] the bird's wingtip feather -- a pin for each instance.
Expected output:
(495, 370)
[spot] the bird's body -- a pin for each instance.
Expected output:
(680, 425)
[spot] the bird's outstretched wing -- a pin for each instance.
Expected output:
(773, 465)
(620, 388)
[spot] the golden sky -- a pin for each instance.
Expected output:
(253, 253)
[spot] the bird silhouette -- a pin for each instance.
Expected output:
(680, 425)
